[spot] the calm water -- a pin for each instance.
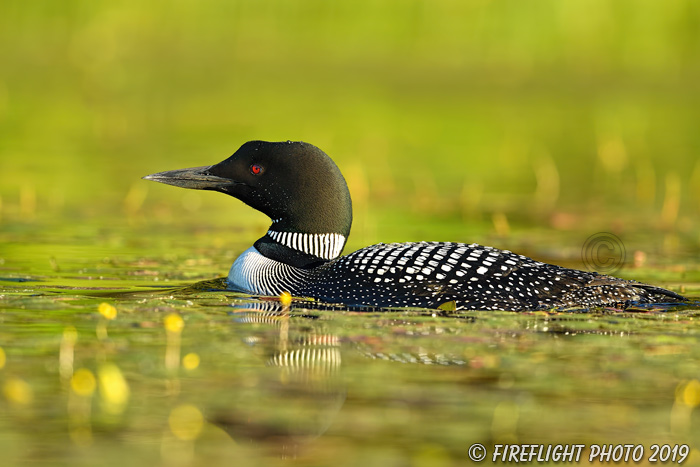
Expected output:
(176, 372)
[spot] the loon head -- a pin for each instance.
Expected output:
(294, 183)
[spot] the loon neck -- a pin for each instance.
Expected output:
(303, 250)
(325, 246)
(311, 239)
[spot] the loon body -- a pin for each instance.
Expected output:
(302, 190)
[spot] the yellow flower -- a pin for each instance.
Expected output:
(190, 361)
(174, 323)
(18, 391)
(107, 310)
(83, 382)
(691, 393)
(113, 388)
(285, 298)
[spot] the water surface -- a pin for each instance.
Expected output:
(181, 372)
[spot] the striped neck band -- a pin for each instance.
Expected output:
(326, 246)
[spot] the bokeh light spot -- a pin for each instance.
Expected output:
(190, 361)
(18, 391)
(174, 323)
(83, 382)
(186, 422)
(107, 310)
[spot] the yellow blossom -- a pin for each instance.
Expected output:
(83, 382)
(285, 298)
(190, 361)
(107, 310)
(174, 323)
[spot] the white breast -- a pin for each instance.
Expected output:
(254, 273)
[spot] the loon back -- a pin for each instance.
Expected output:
(303, 192)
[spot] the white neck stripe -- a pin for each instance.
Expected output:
(327, 246)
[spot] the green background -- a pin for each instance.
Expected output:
(573, 115)
(528, 125)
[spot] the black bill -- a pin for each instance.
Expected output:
(196, 178)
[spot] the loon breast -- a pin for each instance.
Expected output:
(255, 273)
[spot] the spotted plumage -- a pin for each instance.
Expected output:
(302, 190)
(474, 277)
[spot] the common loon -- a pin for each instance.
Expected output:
(305, 195)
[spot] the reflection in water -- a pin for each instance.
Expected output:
(299, 390)
(271, 377)
(296, 399)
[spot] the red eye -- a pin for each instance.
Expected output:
(256, 169)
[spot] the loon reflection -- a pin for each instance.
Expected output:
(302, 391)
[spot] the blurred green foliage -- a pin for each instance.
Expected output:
(537, 113)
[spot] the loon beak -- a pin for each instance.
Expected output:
(196, 178)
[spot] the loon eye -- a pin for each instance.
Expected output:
(256, 169)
